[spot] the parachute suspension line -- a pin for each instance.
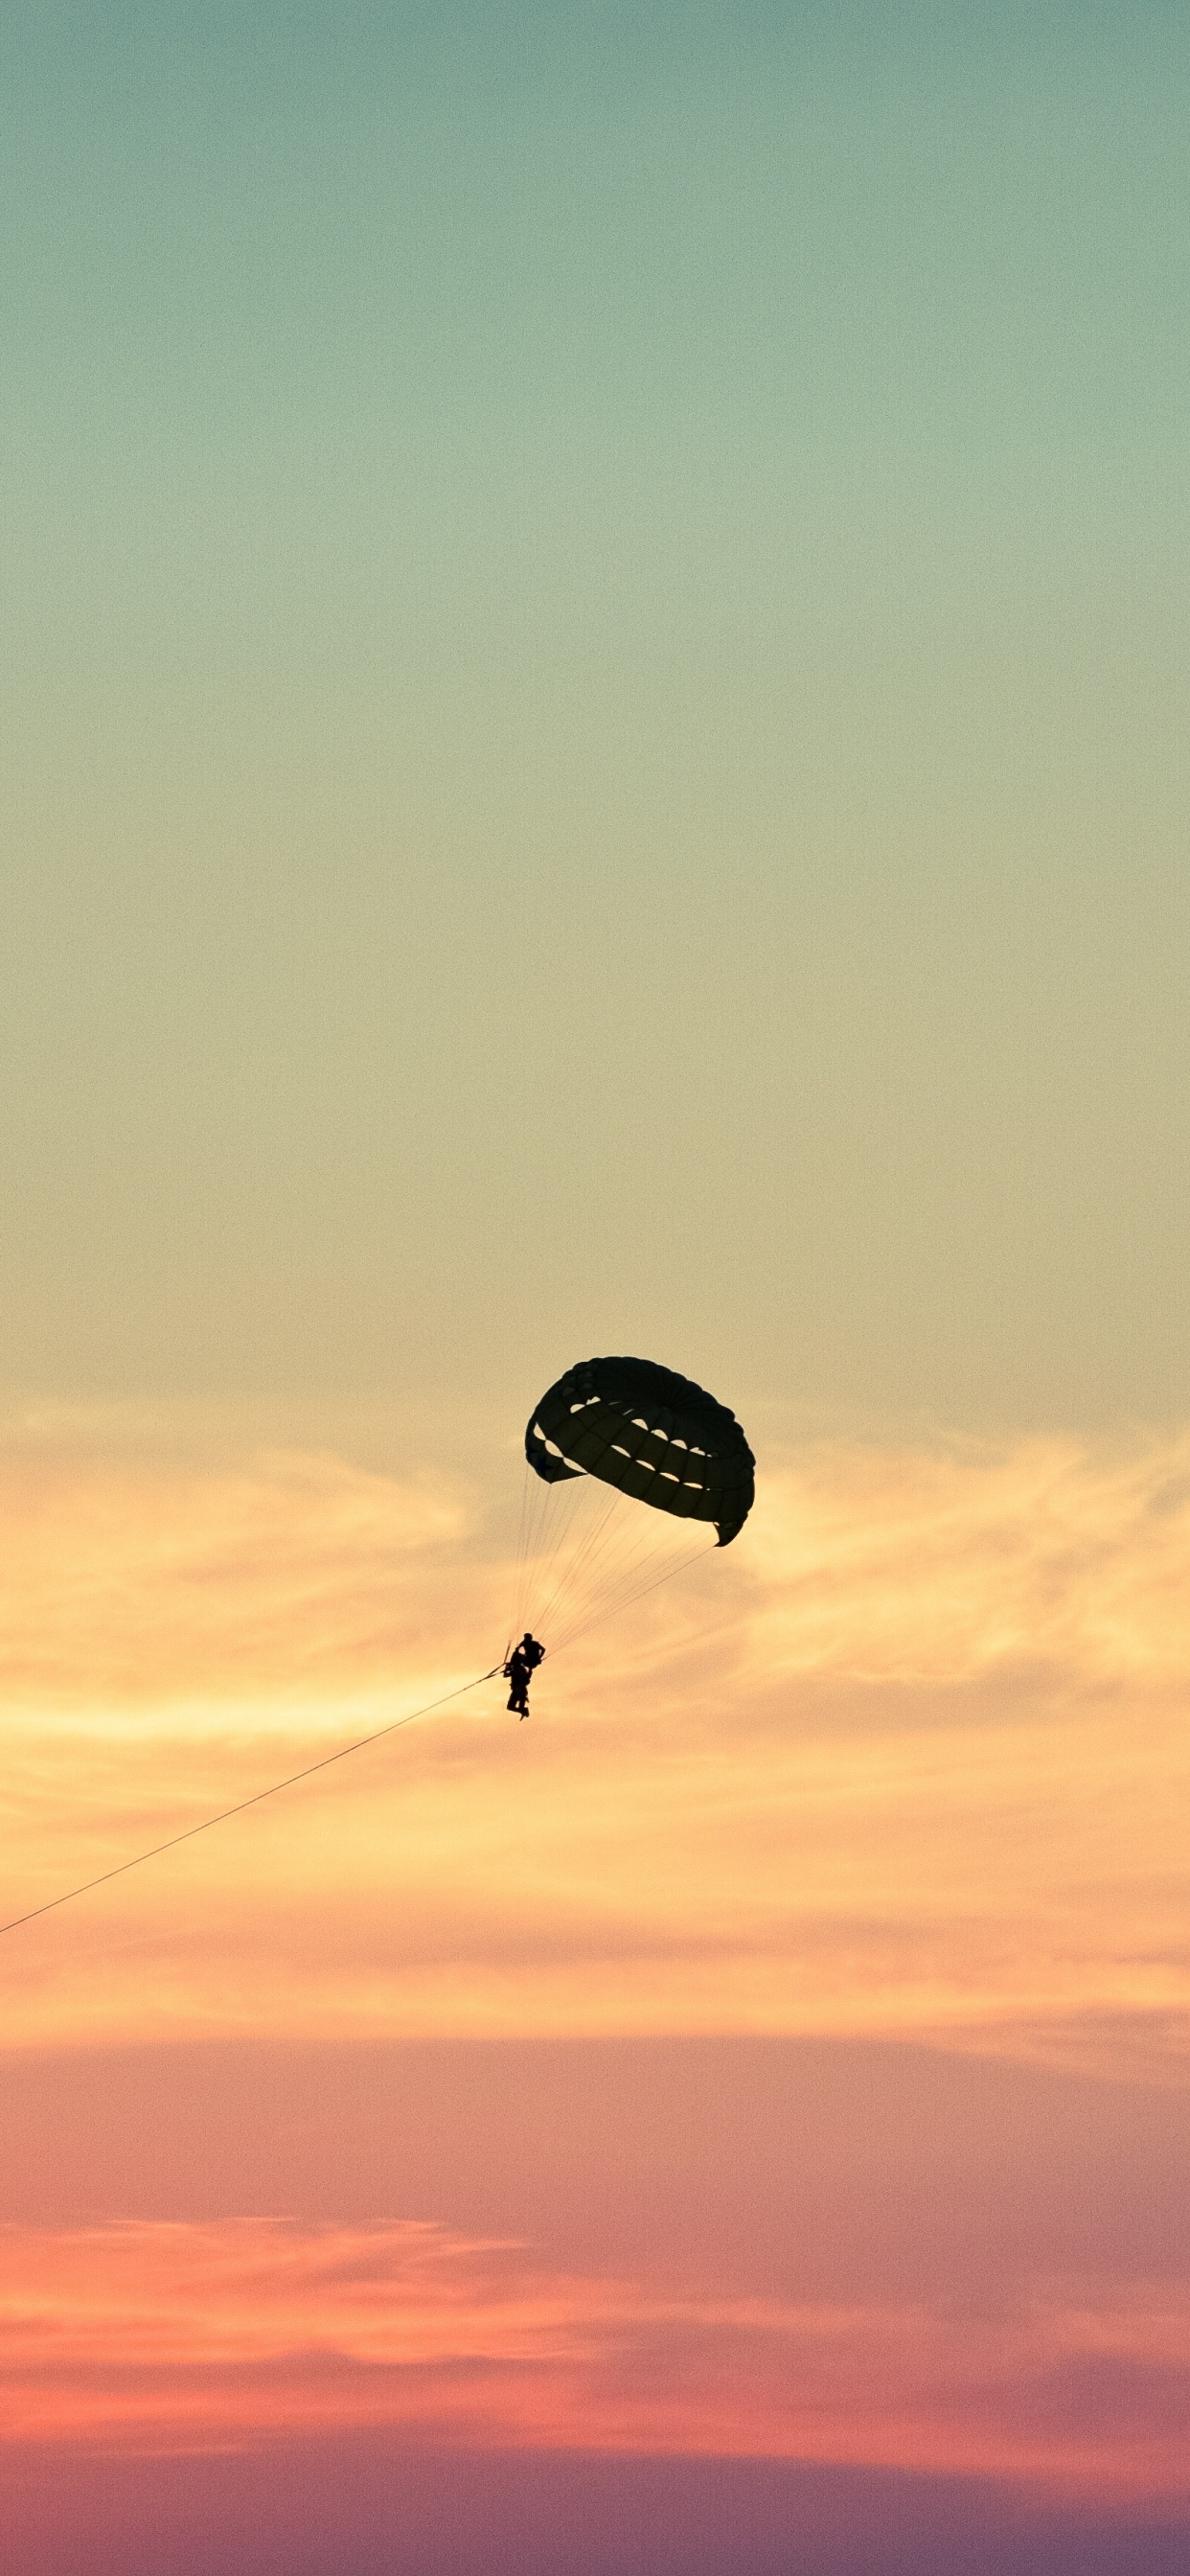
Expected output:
(541, 1510)
(555, 1529)
(586, 1544)
(552, 1520)
(522, 1552)
(550, 1513)
(242, 1804)
(638, 1580)
(624, 1545)
(610, 1565)
(594, 1549)
(610, 1608)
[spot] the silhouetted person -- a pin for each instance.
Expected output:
(519, 1670)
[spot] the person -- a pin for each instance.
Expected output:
(522, 1664)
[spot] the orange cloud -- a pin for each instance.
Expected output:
(130, 1580)
(941, 1565)
(910, 1757)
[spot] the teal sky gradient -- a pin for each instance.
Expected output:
(595, 658)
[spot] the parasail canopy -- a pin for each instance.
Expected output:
(650, 1433)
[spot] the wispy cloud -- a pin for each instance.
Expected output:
(913, 1756)
(149, 2337)
(129, 1581)
(944, 1564)
(127, 1576)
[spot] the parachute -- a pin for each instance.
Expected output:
(650, 1433)
(626, 1432)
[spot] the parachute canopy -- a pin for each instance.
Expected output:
(650, 1433)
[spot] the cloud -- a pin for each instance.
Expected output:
(940, 1565)
(910, 1757)
(131, 1576)
(150, 2337)
(133, 1581)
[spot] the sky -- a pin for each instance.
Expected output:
(594, 663)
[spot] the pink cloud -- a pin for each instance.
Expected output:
(147, 2337)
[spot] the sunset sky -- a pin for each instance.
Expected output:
(594, 667)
